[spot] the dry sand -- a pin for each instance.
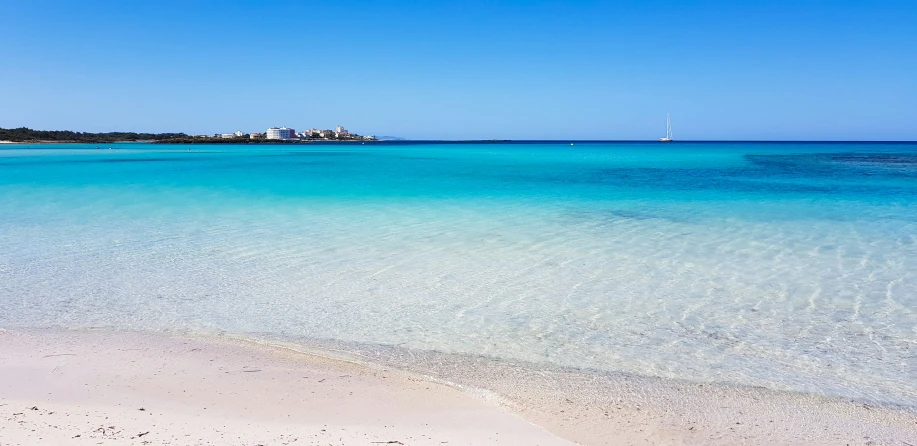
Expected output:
(100, 387)
(88, 388)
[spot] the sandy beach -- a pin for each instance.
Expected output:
(104, 388)
(100, 387)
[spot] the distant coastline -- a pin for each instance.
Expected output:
(27, 135)
(207, 140)
(30, 136)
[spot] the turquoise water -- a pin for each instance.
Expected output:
(789, 266)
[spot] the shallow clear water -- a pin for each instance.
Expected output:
(789, 266)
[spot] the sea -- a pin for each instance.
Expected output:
(789, 266)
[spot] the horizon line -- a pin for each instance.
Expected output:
(523, 141)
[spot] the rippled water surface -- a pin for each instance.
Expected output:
(790, 266)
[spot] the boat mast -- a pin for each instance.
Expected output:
(668, 127)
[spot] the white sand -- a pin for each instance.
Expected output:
(99, 387)
(60, 388)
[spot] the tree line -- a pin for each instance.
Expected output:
(24, 134)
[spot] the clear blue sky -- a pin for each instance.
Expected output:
(473, 69)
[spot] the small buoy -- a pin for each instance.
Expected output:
(571, 143)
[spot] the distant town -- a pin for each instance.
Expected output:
(271, 135)
(288, 134)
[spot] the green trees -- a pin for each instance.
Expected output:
(24, 134)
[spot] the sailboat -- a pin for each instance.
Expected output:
(668, 130)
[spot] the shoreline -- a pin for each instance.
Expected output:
(608, 408)
(586, 408)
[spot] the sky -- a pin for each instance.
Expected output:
(748, 70)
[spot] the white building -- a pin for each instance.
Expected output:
(227, 135)
(239, 133)
(279, 133)
(341, 131)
